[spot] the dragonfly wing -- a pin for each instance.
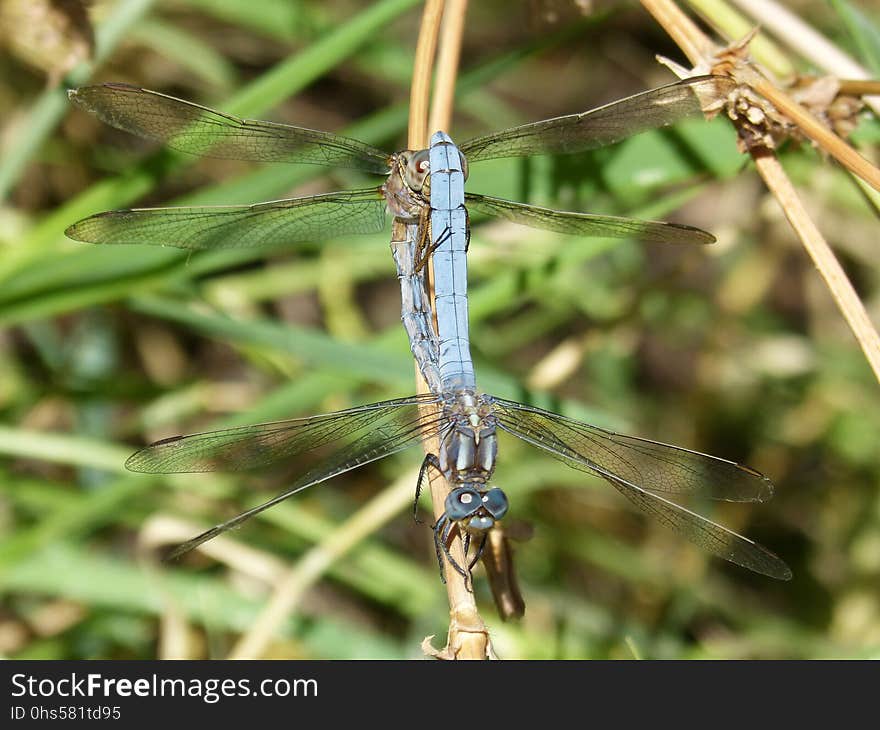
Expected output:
(199, 130)
(604, 125)
(386, 426)
(587, 224)
(276, 223)
(704, 533)
(654, 466)
(356, 436)
(638, 468)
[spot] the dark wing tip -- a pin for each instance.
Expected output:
(786, 573)
(693, 234)
(776, 567)
(765, 488)
(82, 231)
(708, 238)
(172, 555)
(80, 95)
(137, 463)
(121, 86)
(71, 232)
(142, 461)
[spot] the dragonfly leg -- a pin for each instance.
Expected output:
(444, 544)
(426, 251)
(479, 554)
(438, 528)
(429, 460)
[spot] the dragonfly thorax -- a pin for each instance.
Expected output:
(469, 448)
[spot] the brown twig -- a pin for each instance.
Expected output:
(860, 87)
(808, 42)
(852, 308)
(447, 66)
(823, 257)
(468, 637)
(816, 131)
(423, 64)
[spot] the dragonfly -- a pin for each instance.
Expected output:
(467, 423)
(199, 130)
(431, 211)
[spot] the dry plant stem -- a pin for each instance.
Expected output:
(816, 131)
(423, 64)
(447, 65)
(292, 586)
(691, 39)
(173, 635)
(806, 41)
(670, 17)
(860, 87)
(733, 25)
(823, 257)
(687, 36)
(467, 638)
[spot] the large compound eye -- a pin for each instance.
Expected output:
(417, 168)
(462, 503)
(495, 502)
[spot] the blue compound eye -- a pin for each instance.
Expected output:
(462, 503)
(495, 502)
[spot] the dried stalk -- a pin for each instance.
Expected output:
(823, 257)
(447, 65)
(468, 637)
(699, 48)
(808, 42)
(423, 64)
(732, 25)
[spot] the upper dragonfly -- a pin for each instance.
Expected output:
(199, 130)
(466, 423)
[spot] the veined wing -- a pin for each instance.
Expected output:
(199, 130)
(654, 466)
(604, 125)
(639, 468)
(275, 223)
(587, 224)
(357, 436)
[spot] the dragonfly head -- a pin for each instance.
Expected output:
(475, 509)
(415, 166)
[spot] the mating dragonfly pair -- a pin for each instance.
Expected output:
(424, 192)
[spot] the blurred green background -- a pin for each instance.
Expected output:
(736, 350)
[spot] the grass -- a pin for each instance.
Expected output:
(735, 350)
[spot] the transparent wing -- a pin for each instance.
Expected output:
(586, 224)
(641, 470)
(199, 130)
(355, 436)
(276, 223)
(654, 466)
(604, 125)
